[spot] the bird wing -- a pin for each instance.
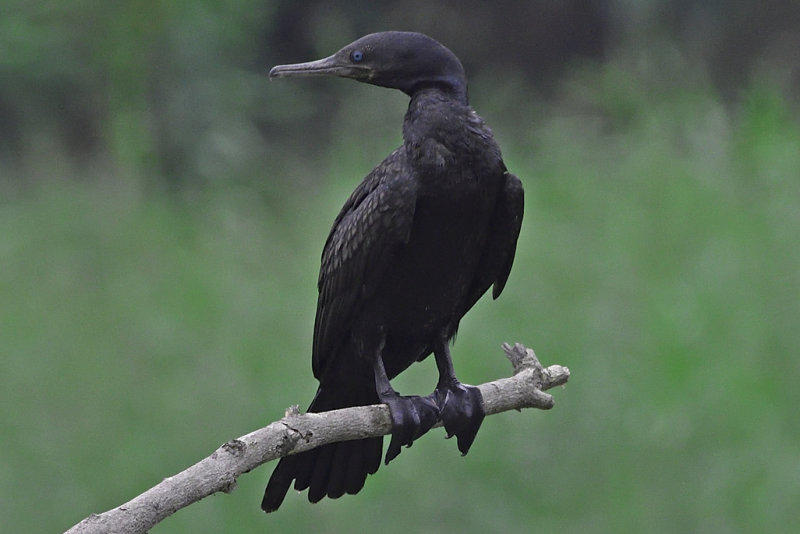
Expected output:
(501, 244)
(366, 235)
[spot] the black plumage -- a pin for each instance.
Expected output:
(418, 242)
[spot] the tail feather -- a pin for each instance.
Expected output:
(331, 470)
(279, 484)
(339, 467)
(303, 469)
(352, 479)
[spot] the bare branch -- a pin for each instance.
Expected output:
(301, 432)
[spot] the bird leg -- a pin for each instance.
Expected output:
(461, 405)
(412, 416)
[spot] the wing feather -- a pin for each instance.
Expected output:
(501, 245)
(366, 235)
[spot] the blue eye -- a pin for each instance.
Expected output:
(357, 56)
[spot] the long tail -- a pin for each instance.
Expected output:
(331, 470)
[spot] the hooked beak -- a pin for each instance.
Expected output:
(329, 66)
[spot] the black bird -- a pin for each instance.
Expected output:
(418, 242)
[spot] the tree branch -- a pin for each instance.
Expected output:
(301, 432)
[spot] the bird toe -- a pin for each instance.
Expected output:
(462, 413)
(412, 417)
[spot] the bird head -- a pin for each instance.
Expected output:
(407, 61)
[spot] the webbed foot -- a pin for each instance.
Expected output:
(411, 417)
(462, 412)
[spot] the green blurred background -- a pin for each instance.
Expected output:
(163, 207)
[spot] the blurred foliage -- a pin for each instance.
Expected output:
(163, 208)
(176, 92)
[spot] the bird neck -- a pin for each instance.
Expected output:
(437, 129)
(453, 86)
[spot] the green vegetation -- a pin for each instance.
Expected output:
(659, 261)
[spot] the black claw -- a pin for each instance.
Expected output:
(462, 412)
(411, 418)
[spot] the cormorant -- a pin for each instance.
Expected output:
(418, 242)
